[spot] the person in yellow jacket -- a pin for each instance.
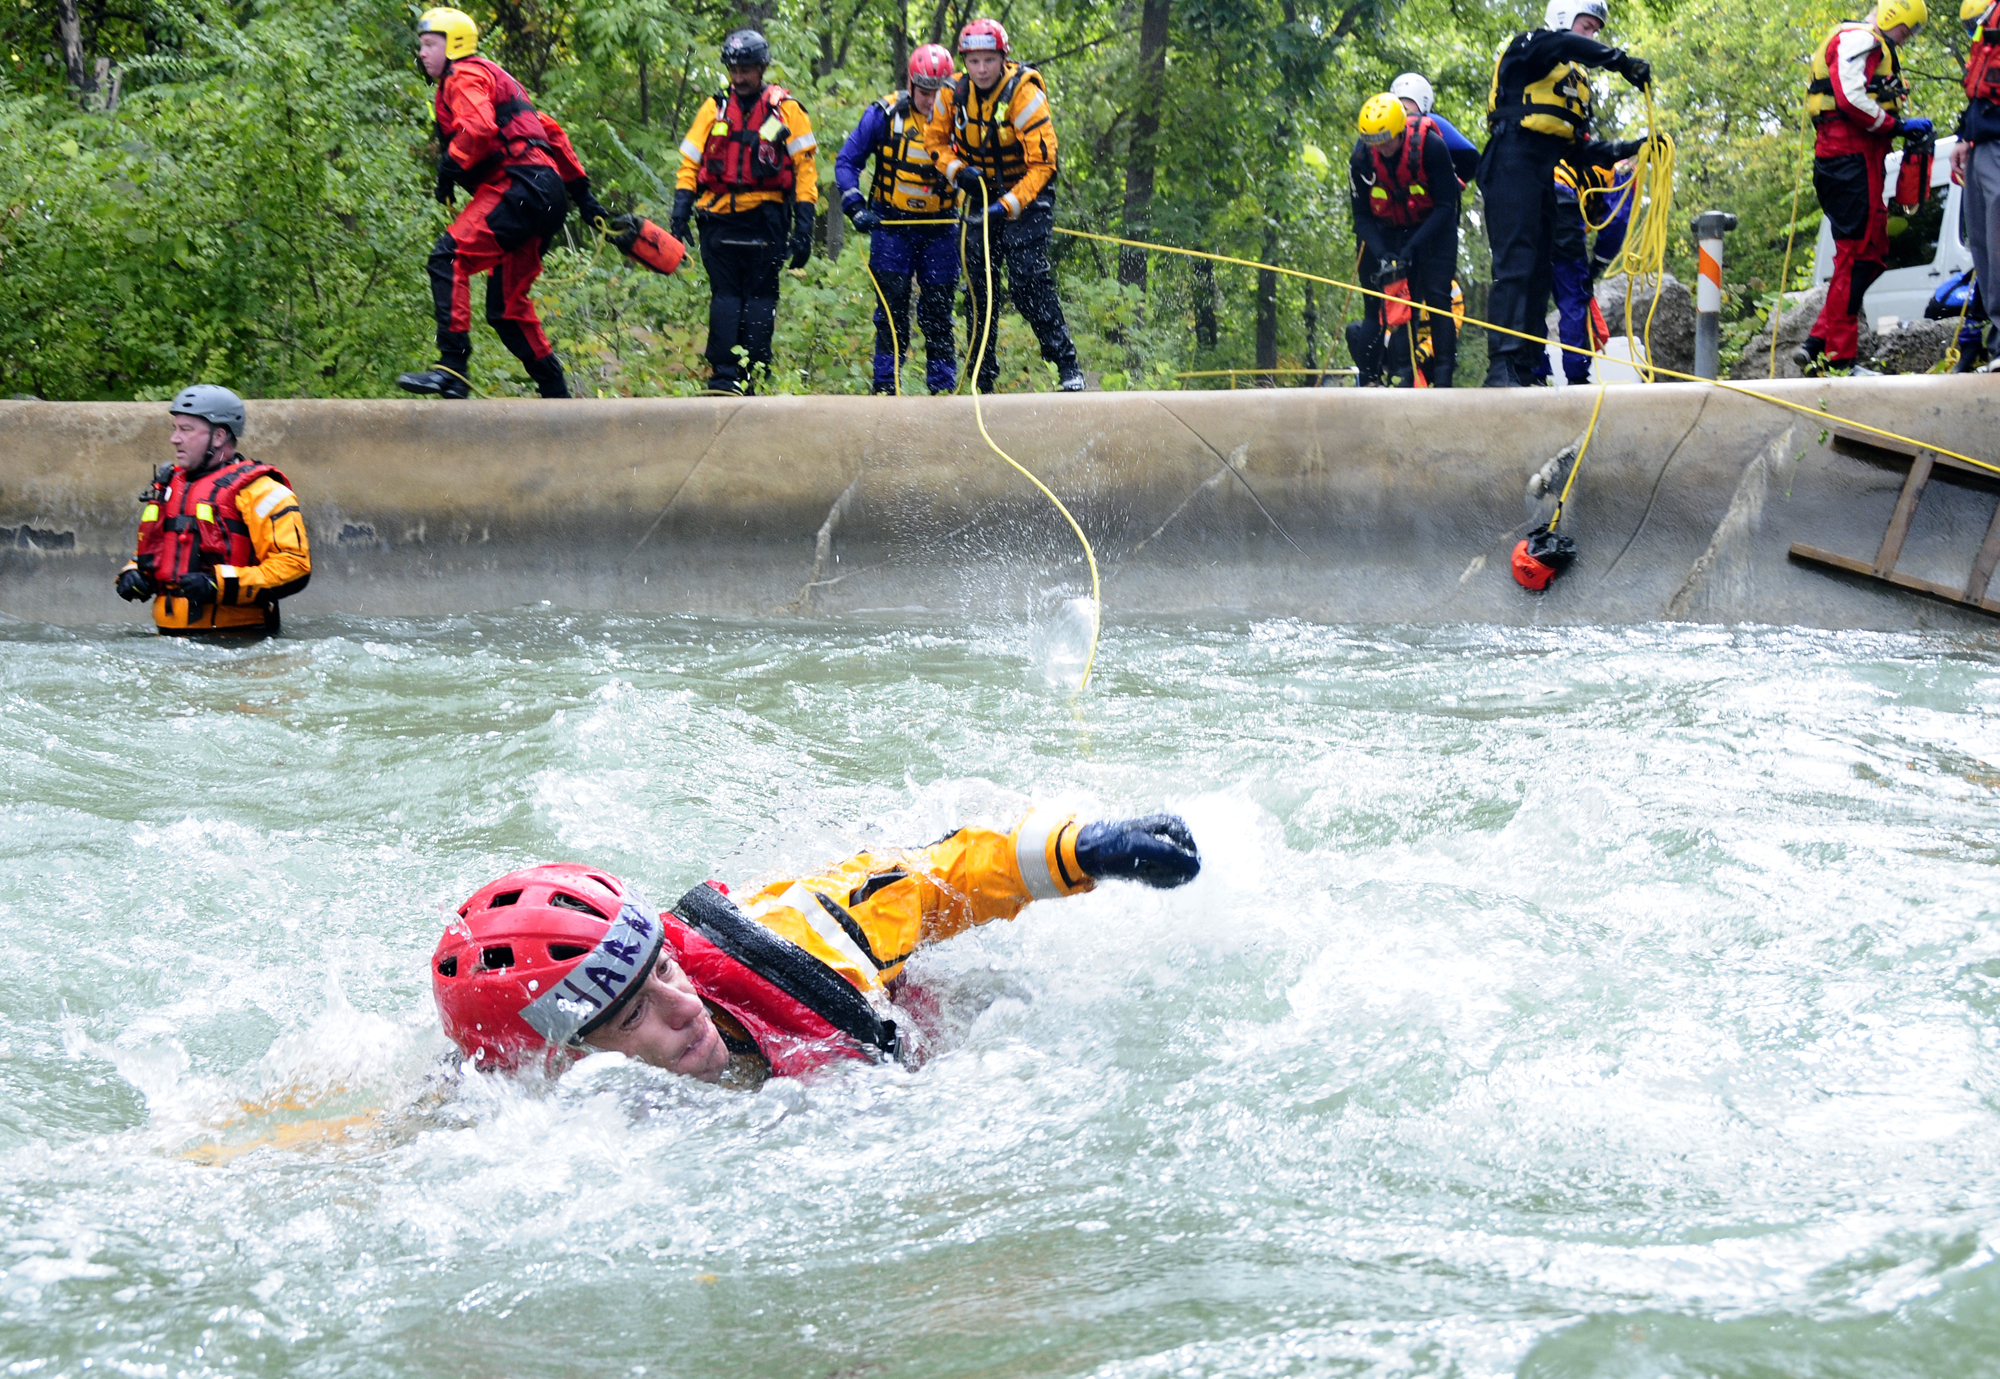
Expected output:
(749, 179)
(221, 538)
(546, 963)
(991, 133)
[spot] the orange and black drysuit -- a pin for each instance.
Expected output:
(750, 179)
(238, 522)
(1008, 136)
(1405, 202)
(522, 173)
(1853, 99)
(799, 973)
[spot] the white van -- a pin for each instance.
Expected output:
(1924, 248)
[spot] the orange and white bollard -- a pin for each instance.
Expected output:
(1709, 227)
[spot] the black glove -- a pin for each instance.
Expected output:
(449, 174)
(134, 584)
(1636, 70)
(586, 203)
(802, 234)
(1157, 850)
(1396, 270)
(968, 180)
(1618, 150)
(677, 224)
(866, 219)
(198, 588)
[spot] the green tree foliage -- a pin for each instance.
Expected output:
(242, 192)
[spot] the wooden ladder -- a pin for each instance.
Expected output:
(1923, 465)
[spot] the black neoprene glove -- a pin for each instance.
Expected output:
(586, 203)
(677, 223)
(134, 584)
(1636, 70)
(448, 177)
(198, 588)
(802, 234)
(1157, 850)
(1618, 150)
(968, 180)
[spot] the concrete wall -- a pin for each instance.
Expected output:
(1335, 505)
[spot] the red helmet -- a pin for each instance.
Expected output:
(930, 66)
(982, 36)
(540, 958)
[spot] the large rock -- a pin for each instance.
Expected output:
(1672, 336)
(1915, 348)
(1755, 361)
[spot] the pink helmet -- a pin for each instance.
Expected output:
(538, 959)
(930, 67)
(982, 36)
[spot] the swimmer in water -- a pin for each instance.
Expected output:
(549, 963)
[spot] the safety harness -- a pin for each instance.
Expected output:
(1556, 103)
(998, 155)
(1396, 193)
(514, 114)
(194, 524)
(905, 177)
(799, 1013)
(753, 154)
(1982, 61)
(1886, 86)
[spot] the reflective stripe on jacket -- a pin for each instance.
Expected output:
(735, 181)
(906, 179)
(1857, 81)
(241, 524)
(1396, 192)
(1008, 134)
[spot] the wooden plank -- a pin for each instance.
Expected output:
(1849, 565)
(1879, 450)
(1982, 568)
(1906, 513)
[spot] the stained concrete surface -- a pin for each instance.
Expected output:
(1334, 505)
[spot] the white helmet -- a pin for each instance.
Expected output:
(1563, 14)
(1411, 87)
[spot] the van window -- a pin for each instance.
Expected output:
(1913, 238)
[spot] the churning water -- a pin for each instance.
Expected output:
(1602, 1002)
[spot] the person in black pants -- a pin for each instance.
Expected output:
(1538, 112)
(1405, 196)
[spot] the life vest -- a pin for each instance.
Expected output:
(1982, 61)
(1398, 194)
(799, 1012)
(521, 129)
(1557, 103)
(751, 154)
(997, 153)
(1886, 86)
(905, 177)
(194, 524)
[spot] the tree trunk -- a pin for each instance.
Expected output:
(645, 96)
(1267, 310)
(1206, 335)
(899, 53)
(1312, 329)
(69, 31)
(1142, 157)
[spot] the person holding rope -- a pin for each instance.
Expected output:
(993, 135)
(749, 178)
(1538, 110)
(1585, 189)
(546, 964)
(1855, 99)
(907, 187)
(523, 176)
(1405, 197)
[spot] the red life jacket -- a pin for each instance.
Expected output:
(801, 1014)
(194, 524)
(523, 136)
(747, 154)
(1982, 62)
(1399, 195)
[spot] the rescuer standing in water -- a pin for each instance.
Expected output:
(1854, 99)
(1405, 195)
(907, 186)
(749, 178)
(546, 964)
(523, 175)
(220, 538)
(993, 135)
(1538, 110)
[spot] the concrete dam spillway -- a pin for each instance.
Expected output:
(1333, 506)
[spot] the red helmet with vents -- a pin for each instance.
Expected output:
(538, 959)
(982, 36)
(930, 67)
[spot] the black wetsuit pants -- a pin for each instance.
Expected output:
(742, 253)
(1022, 247)
(1517, 177)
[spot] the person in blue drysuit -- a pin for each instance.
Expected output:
(1585, 192)
(1417, 98)
(906, 186)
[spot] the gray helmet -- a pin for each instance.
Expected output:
(746, 48)
(216, 406)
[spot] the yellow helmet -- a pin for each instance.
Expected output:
(1891, 13)
(1971, 12)
(461, 35)
(1383, 118)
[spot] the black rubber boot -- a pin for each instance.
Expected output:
(1071, 379)
(1500, 373)
(548, 376)
(1441, 375)
(1402, 378)
(436, 382)
(1811, 350)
